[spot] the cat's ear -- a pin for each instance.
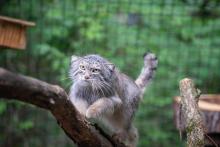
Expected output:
(111, 66)
(74, 58)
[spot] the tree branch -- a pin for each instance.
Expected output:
(190, 110)
(54, 99)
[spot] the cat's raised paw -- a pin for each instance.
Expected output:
(150, 60)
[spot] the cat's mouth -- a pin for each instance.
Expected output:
(87, 82)
(90, 80)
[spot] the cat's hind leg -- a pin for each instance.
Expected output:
(132, 137)
(128, 137)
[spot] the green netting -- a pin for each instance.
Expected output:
(184, 34)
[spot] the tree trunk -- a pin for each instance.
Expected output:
(190, 110)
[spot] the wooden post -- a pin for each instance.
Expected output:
(190, 111)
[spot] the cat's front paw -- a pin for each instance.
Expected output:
(92, 113)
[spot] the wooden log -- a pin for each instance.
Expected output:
(209, 105)
(191, 115)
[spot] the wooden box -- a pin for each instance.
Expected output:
(13, 32)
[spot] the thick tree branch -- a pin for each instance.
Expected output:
(54, 99)
(190, 110)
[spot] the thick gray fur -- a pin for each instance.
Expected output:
(105, 95)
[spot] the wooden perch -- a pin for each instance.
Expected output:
(54, 99)
(190, 110)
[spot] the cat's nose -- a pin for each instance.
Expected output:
(86, 76)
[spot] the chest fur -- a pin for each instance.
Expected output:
(89, 93)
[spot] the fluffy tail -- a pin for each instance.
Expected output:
(150, 65)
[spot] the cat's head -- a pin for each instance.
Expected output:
(92, 70)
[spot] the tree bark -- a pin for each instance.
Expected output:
(190, 110)
(54, 99)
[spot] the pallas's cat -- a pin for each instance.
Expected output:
(103, 94)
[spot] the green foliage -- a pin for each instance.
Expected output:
(122, 31)
(25, 125)
(2, 107)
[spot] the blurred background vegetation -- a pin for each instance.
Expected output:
(185, 35)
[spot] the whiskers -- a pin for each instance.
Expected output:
(67, 82)
(101, 88)
(65, 79)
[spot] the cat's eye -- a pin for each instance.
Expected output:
(82, 67)
(95, 70)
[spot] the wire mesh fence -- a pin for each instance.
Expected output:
(184, 34)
